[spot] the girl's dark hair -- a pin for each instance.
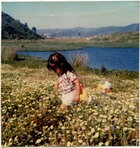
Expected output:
(57, 60)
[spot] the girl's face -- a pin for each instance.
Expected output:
(58, 71)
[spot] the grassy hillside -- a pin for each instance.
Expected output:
(14, 29)
(31, 115)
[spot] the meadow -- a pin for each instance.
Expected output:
(31, 114)
(116, 40)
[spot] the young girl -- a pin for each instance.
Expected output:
(67, 79)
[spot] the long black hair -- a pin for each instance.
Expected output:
(57, 60)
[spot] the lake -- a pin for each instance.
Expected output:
(111, 58)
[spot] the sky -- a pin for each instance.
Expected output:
(64, 14)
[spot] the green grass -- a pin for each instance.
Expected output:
(35, 62)
(47, 45)
(117, 40)
(122, 40)
(27, 61)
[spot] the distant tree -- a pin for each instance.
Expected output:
(103, 69)
(79, 34)
(13, 29)
(18, 21)
(26, 25)
(34, 29)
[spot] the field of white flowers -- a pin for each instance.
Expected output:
(31, 115)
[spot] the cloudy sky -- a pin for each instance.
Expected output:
(63, 14)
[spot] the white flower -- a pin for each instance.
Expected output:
(84, 144)
(101, 143)
(83, 128)
(20, 105)
(9, 107)
(129, 119)
(78, 109)
(51, 127)
(40, 115)
(103, 120)
(117, 127)
(69, 143)
(111, 111)
(92, 130)
(125, 129)
(82, 123)
(96, 135)
(63, 127)
(38, 141)
(81, 116)
(10, 139)
(95, 113)
(24, 98)
(67, 131)
(107, 143)
(106, 128)
(98, 129)
(80, 141)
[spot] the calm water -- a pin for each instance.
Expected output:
(111, 58)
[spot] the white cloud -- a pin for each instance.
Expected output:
(51, 15)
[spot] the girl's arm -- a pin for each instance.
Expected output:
(56, 86)
(77, 84)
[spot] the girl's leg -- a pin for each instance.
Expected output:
(63, 106)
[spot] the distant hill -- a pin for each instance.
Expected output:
(86, 32)
(14, 29)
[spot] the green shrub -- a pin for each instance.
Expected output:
(79, 60)
(8, 53)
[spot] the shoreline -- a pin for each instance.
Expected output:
(124, 40)
(38, 63)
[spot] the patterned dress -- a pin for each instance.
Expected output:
(67, 86)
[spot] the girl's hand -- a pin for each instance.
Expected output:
(77, 84)
(56, 86)
(77, 99)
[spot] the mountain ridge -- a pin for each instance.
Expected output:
(86, 32)
(14, 29)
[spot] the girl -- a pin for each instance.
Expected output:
(67, 79)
